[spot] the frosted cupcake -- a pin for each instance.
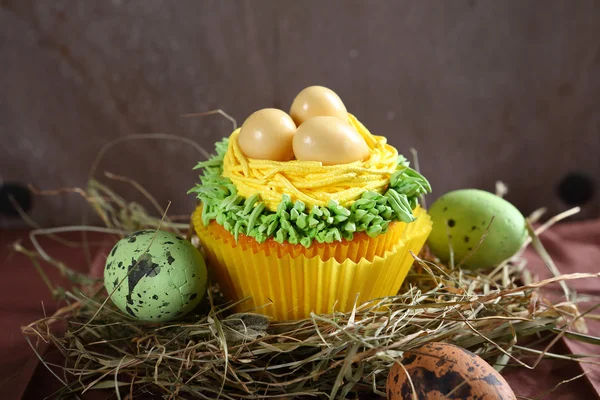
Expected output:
(308, 211)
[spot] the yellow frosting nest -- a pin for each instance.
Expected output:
(312, 182)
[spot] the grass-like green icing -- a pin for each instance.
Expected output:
(293, 222)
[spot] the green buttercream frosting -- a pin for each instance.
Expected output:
(293, 222)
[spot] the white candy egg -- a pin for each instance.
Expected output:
(317, 101)
(267, 134)
(330, 141)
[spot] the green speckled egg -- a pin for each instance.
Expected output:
(465, 215)
(158, 276)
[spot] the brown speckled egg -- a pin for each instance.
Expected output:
(444, 371)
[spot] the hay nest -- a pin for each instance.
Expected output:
(213, 353)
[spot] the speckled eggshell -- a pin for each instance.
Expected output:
(465, 215)
(157, 278)
(444, 371)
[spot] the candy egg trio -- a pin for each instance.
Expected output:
(316, 129)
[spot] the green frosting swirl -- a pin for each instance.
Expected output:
(293, 222)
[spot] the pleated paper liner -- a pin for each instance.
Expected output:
(288, 282)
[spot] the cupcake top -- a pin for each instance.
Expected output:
(315, 174)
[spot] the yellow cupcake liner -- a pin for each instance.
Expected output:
(291, 285)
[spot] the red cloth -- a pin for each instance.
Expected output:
(23, 298)
(575, 247)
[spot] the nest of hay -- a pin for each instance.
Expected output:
(213, 353)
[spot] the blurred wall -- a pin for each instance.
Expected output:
(484, 90)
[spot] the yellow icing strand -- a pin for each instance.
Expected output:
(310, 181)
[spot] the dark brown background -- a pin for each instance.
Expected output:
(485, 90)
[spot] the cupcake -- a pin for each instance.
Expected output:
(308, 211)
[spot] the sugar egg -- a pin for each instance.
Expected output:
(317, 101)
(155, 276)
(267, 134)
(461, 218)
(330, 141)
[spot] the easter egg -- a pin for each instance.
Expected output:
(267, 134)
(330, 141)
(155, 275)
(461, 217)
(317, 101)
(444, 371)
